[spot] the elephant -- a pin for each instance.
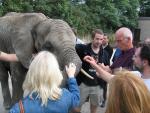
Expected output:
(28, 33)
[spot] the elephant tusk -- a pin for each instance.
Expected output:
(86, 74)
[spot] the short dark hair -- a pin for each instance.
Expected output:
(145, 52)
(99, 31)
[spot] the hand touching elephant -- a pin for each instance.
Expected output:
(28, 33)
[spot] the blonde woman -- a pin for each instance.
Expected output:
(127, 92)
(43, 82)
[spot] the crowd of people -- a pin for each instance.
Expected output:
(126, 80)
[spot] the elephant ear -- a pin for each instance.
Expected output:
(23, 46)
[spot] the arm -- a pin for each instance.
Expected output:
(72, 85)
(106, 68)
(102, 73)
(8, 57)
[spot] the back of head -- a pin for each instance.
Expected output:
(145, 52)
(128, 94)
(44, 77)
(126, 32)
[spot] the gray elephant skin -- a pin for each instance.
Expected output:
(28, 33)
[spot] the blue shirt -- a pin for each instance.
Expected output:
(69, 99)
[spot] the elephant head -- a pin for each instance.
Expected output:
(53, 35)
(21, 37)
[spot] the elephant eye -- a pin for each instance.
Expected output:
(47, 46)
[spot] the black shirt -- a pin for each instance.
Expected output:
(109, 49)
(101, 57)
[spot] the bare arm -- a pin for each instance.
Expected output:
(106, 68)
(8, 57)
(101, 72)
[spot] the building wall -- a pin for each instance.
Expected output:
(144, 25)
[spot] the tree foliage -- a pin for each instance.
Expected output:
(145, 8)
(84, 15)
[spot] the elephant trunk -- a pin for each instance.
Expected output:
(70, 55)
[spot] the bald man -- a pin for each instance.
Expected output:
(124, 39)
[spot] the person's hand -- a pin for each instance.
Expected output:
(90, 60)
(71, 69)
(106, 68)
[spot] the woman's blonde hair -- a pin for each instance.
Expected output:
(128, 94)
(44, 77)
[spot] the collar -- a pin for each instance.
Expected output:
(105, 45)
(128, 51)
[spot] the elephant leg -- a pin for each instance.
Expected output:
(18, 75)
(17, 91)
(6, 92)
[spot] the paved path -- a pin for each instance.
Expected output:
(85, 108)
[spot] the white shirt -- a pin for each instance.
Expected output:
(79, 41)
(147, 83)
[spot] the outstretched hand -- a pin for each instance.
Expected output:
(106, 68)
(101, 73)
(90, 60)
(71, 69)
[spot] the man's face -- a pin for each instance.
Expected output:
(97, 40)
(137, 60)
(105, 40)
(121, 41)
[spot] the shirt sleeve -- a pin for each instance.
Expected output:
(75, 93)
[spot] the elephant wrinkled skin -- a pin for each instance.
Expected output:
(28, 33)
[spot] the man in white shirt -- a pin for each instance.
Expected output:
(142, 62)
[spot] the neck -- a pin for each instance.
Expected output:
(104, 45)
(146, 72)
(95, 49)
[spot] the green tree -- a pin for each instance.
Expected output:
(127, 12)
(15, 6)
(144, 8)
(84, 15)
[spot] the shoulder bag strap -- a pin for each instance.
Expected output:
(21, 106)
